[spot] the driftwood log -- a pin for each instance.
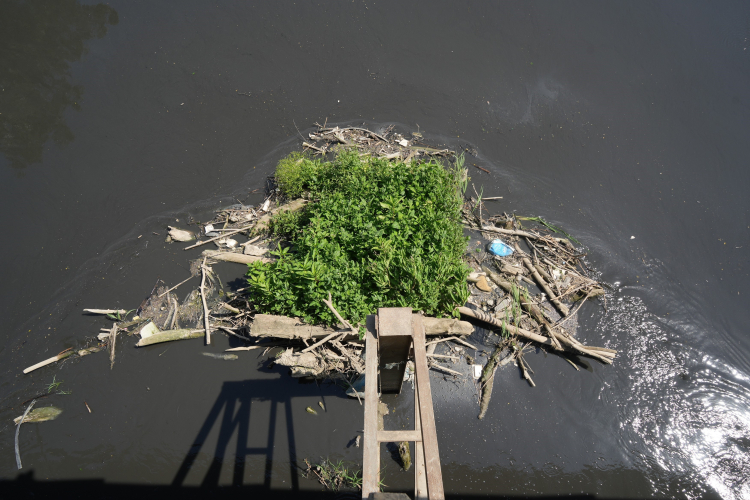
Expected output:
(170, 335)
(239, 258)
(283, 327)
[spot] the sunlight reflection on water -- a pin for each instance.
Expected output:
(684, 412)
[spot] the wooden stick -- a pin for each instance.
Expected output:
(220, 236)
(178, 284)
(514, 232)
(245, 348)
(525, 372)
(344, 322)
(540, 281)
(482, 316)
(441, 368)
(461, 341)
(443, 356)
(176, 311)
(440, 340)
(323, 341)
(112, 342)
(230, 332)
(169, 313)
(308, 145)
(48, 361)
(563, 320)
(230, 308)
(105, 311)
(203, 299)
(253, 240)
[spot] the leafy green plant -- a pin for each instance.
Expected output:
(378, 233)
(118, 317)
(336, 475)
(54, 385)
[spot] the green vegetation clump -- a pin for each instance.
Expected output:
(377, 233)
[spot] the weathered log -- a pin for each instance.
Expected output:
(239, 258)
(446, 326)
(301, 365)
(488, 379)
(171, 335)
(283, 327)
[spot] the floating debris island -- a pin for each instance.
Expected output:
(360, 220)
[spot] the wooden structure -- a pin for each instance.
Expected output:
(389, 335)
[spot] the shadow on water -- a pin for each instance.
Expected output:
(39, 39)
(230, 418)
(26, 486)
(233, 406)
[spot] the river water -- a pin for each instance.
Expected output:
(625, 123)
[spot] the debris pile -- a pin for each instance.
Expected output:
(525, 286)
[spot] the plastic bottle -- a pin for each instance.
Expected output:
(500, 248)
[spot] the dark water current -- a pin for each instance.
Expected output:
(626, 123)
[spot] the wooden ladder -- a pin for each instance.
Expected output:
(388, 338)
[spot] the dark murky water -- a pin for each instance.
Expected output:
(613, 120)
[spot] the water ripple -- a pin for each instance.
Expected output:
(681, 412)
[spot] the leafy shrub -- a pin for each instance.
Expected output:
(379, 233)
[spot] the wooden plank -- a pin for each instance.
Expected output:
(420, 475)
(398, 436)
(429, 431)
(371, 447)
(394, 340)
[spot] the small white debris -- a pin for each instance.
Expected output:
(404, 143)
(266, 205)
(476, 371)
(148, 330)
(254, 250)
(632, 237)
(209, 228)
(227, 242)
(180, 235)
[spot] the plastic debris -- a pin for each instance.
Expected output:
(148, 330)
(309, 409)
(476, 371)
(210, 231)
(227, 242)
(180, 235)
(500, 248)
(357, 388)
